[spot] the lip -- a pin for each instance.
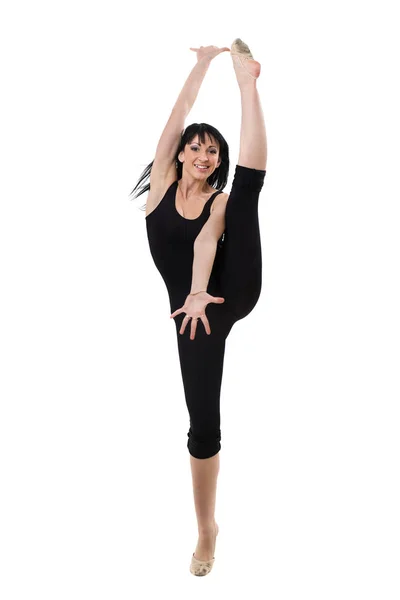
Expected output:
(199, 165)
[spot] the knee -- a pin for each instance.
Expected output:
(204, 446)
(249, 178)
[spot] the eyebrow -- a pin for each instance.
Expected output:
(198, 143)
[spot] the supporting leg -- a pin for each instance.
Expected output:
(204, 477)
(201, 362)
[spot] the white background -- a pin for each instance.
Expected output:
(96, 492)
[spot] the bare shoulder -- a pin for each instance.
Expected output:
(219, 200)
(159, 184)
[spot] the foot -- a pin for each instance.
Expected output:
(246, 68)
(205, 548)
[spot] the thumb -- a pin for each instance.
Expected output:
(218, 300)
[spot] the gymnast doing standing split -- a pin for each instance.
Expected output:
(206, 245)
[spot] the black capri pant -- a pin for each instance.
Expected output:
(236, 277)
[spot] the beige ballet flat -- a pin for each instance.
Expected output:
(202, 567)
(242, 51)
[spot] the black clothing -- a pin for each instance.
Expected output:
(235, 276)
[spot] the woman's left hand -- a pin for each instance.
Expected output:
(209, 51)
(194, 307)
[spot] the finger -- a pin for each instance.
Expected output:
(179, 310)
(206, 324)
(184, 323)
(225, 49)
(218, 300)
(193, 328)
(194, 49)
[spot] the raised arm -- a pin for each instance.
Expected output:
(170, 137)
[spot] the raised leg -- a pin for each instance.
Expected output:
(241, 259)
(253, 138)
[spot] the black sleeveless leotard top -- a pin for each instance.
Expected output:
(171, 238)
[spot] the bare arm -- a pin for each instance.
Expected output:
(191, 88)
(171, 135)
(205, 245)
(189, 92)
(204, 255)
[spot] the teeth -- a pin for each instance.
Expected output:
(202, 168)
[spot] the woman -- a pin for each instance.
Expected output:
(206, 245)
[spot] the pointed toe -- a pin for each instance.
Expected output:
(240, 47)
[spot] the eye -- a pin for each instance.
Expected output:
(196, 148)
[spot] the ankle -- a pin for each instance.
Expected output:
(247, 84)
(207, 529)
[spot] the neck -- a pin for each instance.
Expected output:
(193, 188)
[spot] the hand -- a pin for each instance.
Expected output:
(194, 308)
(209, 51)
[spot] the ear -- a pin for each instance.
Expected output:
(181, 156)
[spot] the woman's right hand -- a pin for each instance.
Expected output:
(208, 51)
(195, 307)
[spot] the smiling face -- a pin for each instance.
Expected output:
(197, 155)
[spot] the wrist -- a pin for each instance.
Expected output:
(198, 292)
(204, 60)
